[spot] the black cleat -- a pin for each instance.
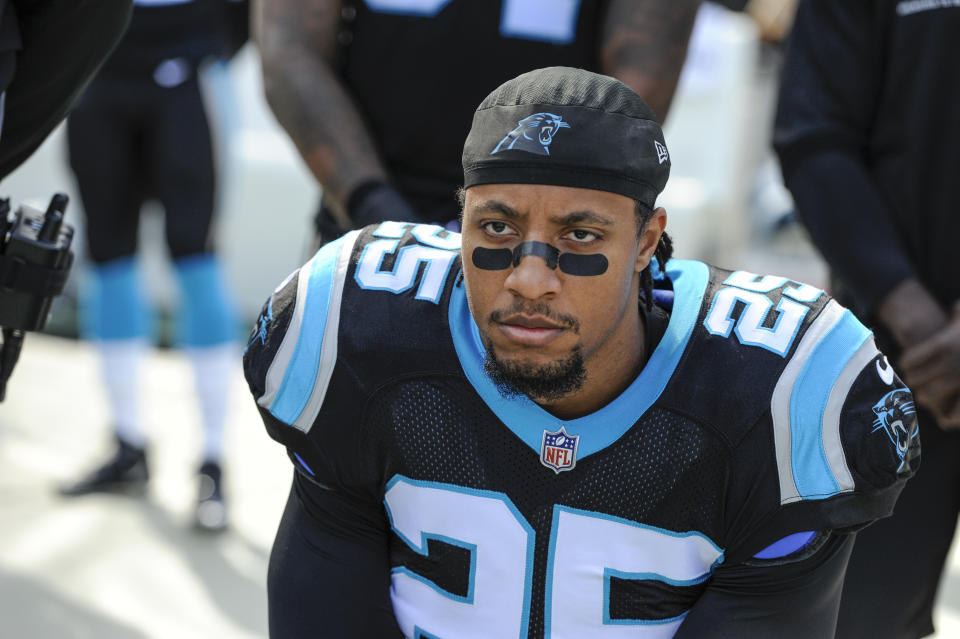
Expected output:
(124, 473)
(210, 514)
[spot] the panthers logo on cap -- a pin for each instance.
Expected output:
(894, 414)
(533, 134)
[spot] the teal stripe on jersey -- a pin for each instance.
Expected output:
(808, 402)
(597, 430)
(301, 373)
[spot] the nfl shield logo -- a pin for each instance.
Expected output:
(559, 450)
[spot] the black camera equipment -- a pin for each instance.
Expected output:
(35, 260)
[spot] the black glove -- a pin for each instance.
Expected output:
(325, 227)
(377, 201)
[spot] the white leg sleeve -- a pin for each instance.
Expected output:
(214, 368)
(121, 360)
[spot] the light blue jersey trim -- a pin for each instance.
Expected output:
(301, 374)
(416, 9)
(597, 430)
(607, 572)
(811, 470)
(489, 494)
(423, 550)
(566, 34)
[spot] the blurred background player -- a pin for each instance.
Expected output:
(378, 95)
(140, 132)
(867, 134)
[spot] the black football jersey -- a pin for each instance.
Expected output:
(764, 410)
(193, 31)
(419, 68)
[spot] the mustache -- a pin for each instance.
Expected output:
(542, 309)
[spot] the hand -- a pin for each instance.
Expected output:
(911, 313)
(377, 201)
(932, 370)
(950, 419)
(327, 227)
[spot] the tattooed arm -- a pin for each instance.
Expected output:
(645, 44)
(297, 40)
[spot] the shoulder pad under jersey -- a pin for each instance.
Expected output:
(367, 307)
(793, 382)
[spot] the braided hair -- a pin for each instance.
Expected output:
(662, 253)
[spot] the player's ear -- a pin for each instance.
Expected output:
(650, 237)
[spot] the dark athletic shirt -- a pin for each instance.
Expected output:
(417, 79)
(867, 132)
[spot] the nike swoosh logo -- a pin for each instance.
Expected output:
(885, 372)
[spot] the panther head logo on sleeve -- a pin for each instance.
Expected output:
(893, 413)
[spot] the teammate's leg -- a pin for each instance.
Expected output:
(103, 145)
(185, 182)
(206, 332)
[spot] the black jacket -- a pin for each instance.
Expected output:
(867, 132)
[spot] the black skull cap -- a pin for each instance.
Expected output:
(567, 127)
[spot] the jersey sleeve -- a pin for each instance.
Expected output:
(329, 572)
(841, 440)
(832, 79)
(366, 310)
(308, 398)
(794, 599)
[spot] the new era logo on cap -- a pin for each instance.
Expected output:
(661, 152)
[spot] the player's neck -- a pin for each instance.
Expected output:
(610, 370)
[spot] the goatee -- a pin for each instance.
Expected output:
(545, 382)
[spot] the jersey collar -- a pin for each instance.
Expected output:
(599, 429)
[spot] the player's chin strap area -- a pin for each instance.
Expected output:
(570, 263)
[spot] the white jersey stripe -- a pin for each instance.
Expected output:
(831, 416)
(286, 396)
(281, 360)
(328, 350)
(780, 400)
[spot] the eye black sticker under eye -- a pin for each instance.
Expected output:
(492, 259)
(570, 263)
(584, 265)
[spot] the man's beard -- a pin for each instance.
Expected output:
(545, 382)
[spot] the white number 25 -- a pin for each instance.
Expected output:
(751, 290)
(586, 550)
